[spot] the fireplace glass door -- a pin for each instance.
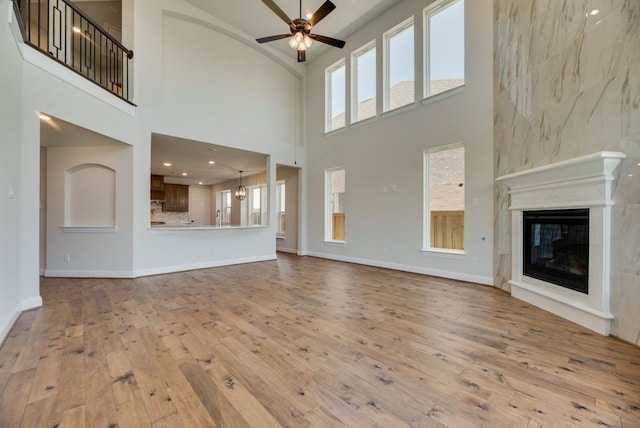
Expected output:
(556, 247)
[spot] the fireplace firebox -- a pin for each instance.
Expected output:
(556, 247)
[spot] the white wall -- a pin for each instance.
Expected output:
(203, 80)
(92, 253)
(13, 296)
(386, 228)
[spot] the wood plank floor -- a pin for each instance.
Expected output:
(306, 342)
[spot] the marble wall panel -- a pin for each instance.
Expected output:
(566, 84)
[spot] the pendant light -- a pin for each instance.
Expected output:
(241, 191)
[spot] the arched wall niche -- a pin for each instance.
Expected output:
(90, 196)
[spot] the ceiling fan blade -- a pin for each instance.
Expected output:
(276, 9)
(302, 56)
(272, 38)
(328, 40)
(323, 11)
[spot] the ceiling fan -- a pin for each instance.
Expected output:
(301, 37)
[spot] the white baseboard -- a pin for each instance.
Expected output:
(8, 323)
(49, 273)
(204, 265)
(287, 250)
(13, 315)
(478, 279)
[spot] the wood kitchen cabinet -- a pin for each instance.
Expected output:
(176, 197)
(157, 188)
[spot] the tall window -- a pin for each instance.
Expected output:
(225, 204)
(335, 96)
(399, 76)
(444, 199)
(257, 205)
(363, 82)
(280, 204)
(334, 204)
(444, 58)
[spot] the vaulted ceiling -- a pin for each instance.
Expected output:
(254, 18)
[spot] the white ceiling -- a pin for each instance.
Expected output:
(254, 18)
(193, 158)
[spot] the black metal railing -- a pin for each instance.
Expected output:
(68, 35)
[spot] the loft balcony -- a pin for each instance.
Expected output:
(69, 36)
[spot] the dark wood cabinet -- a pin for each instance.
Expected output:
(157, 188)
(176, 197)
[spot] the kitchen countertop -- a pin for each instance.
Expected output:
(157, 227)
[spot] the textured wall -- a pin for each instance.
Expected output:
(567, 83)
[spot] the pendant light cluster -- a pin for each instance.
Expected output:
(241, 191)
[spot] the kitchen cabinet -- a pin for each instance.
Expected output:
(176, 197)
(157, 188)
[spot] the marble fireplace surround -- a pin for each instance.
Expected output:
(583, 182)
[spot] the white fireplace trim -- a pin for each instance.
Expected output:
(583, 182)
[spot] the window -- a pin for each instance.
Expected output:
(444, 199)
(363, 83)
(225, 204)
(257, 205)
(280, 204)
(444, 58)
(334, 204)
(399, 78)
(335, 96)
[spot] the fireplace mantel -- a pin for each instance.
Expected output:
(583, 182)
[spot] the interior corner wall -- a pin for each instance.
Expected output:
(384, 158)
(11, 293)
(554, 101)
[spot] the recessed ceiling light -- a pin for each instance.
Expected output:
(630, 175)
(167, 164)
(212, 162)
(184, 174)
(594, 12)
(200, 183)
(44, 117)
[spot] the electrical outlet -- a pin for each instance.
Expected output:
(67, 258)
(474, 261)
(474, 202)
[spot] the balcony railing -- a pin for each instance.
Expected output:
(59, 29)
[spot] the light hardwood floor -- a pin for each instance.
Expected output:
(306, 342)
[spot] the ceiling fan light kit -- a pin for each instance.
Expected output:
(301, 38)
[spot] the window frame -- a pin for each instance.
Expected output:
(225, 216)
(428, 12)
(328, 96)
(281, 203)
(355, 55)
(426, 217)
(263, 205)
(328, 212)
(386, 72)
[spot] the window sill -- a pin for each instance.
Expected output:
(334, 132)
(444, 254)
(363, 122)
(399, 110)
(280, 235)
(335, 243)
(89, 229)
(446, 94)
